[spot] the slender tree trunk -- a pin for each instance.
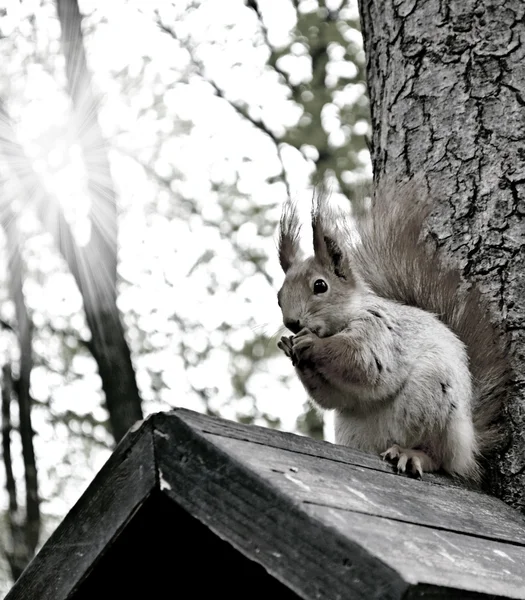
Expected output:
(447, 91)
(25, 531)
(87, 265)
(95, 266)
(15, 548)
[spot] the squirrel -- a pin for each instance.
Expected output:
(386, 335)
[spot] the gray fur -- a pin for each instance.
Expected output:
(396, 347)
(289, 229)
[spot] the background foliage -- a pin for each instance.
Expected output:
(143, 162)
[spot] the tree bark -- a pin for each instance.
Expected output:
(447, 93)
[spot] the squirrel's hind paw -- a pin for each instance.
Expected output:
(414, 462)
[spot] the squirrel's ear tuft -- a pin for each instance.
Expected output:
(289, 228)
(319, 208)
(330, 244)
(339, 263)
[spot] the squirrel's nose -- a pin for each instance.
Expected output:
(293, 326)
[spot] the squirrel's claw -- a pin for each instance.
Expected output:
(409, 461)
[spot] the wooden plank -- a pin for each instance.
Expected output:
(119, 489)
(264, 524)
(322, 481)
(437, 561)
(296, 443)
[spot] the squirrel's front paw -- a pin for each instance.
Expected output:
(303, 345)
(286, 345)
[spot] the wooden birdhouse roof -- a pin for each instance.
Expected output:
(204, 504)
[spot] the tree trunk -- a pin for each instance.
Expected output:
(25, 531)
(447, 92)
(16, 550)
(95, 266)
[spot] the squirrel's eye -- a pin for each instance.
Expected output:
(320, 286)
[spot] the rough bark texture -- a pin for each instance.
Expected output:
(447, 91)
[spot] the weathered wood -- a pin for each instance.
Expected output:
(295, 443)
(440, 559)
(264, 524)
(444, 542)
(349, 487)
(280, 514)
(93, 523)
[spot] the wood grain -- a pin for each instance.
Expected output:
(323, 481)
(296, 443)
(436, 558)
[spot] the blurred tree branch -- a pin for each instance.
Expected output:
(274, 56)
(241, 110)
(318, 31)
(166, 184)
(7, 326)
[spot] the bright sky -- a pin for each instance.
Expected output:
(159, 245)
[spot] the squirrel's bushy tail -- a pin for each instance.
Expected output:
(397, 261)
